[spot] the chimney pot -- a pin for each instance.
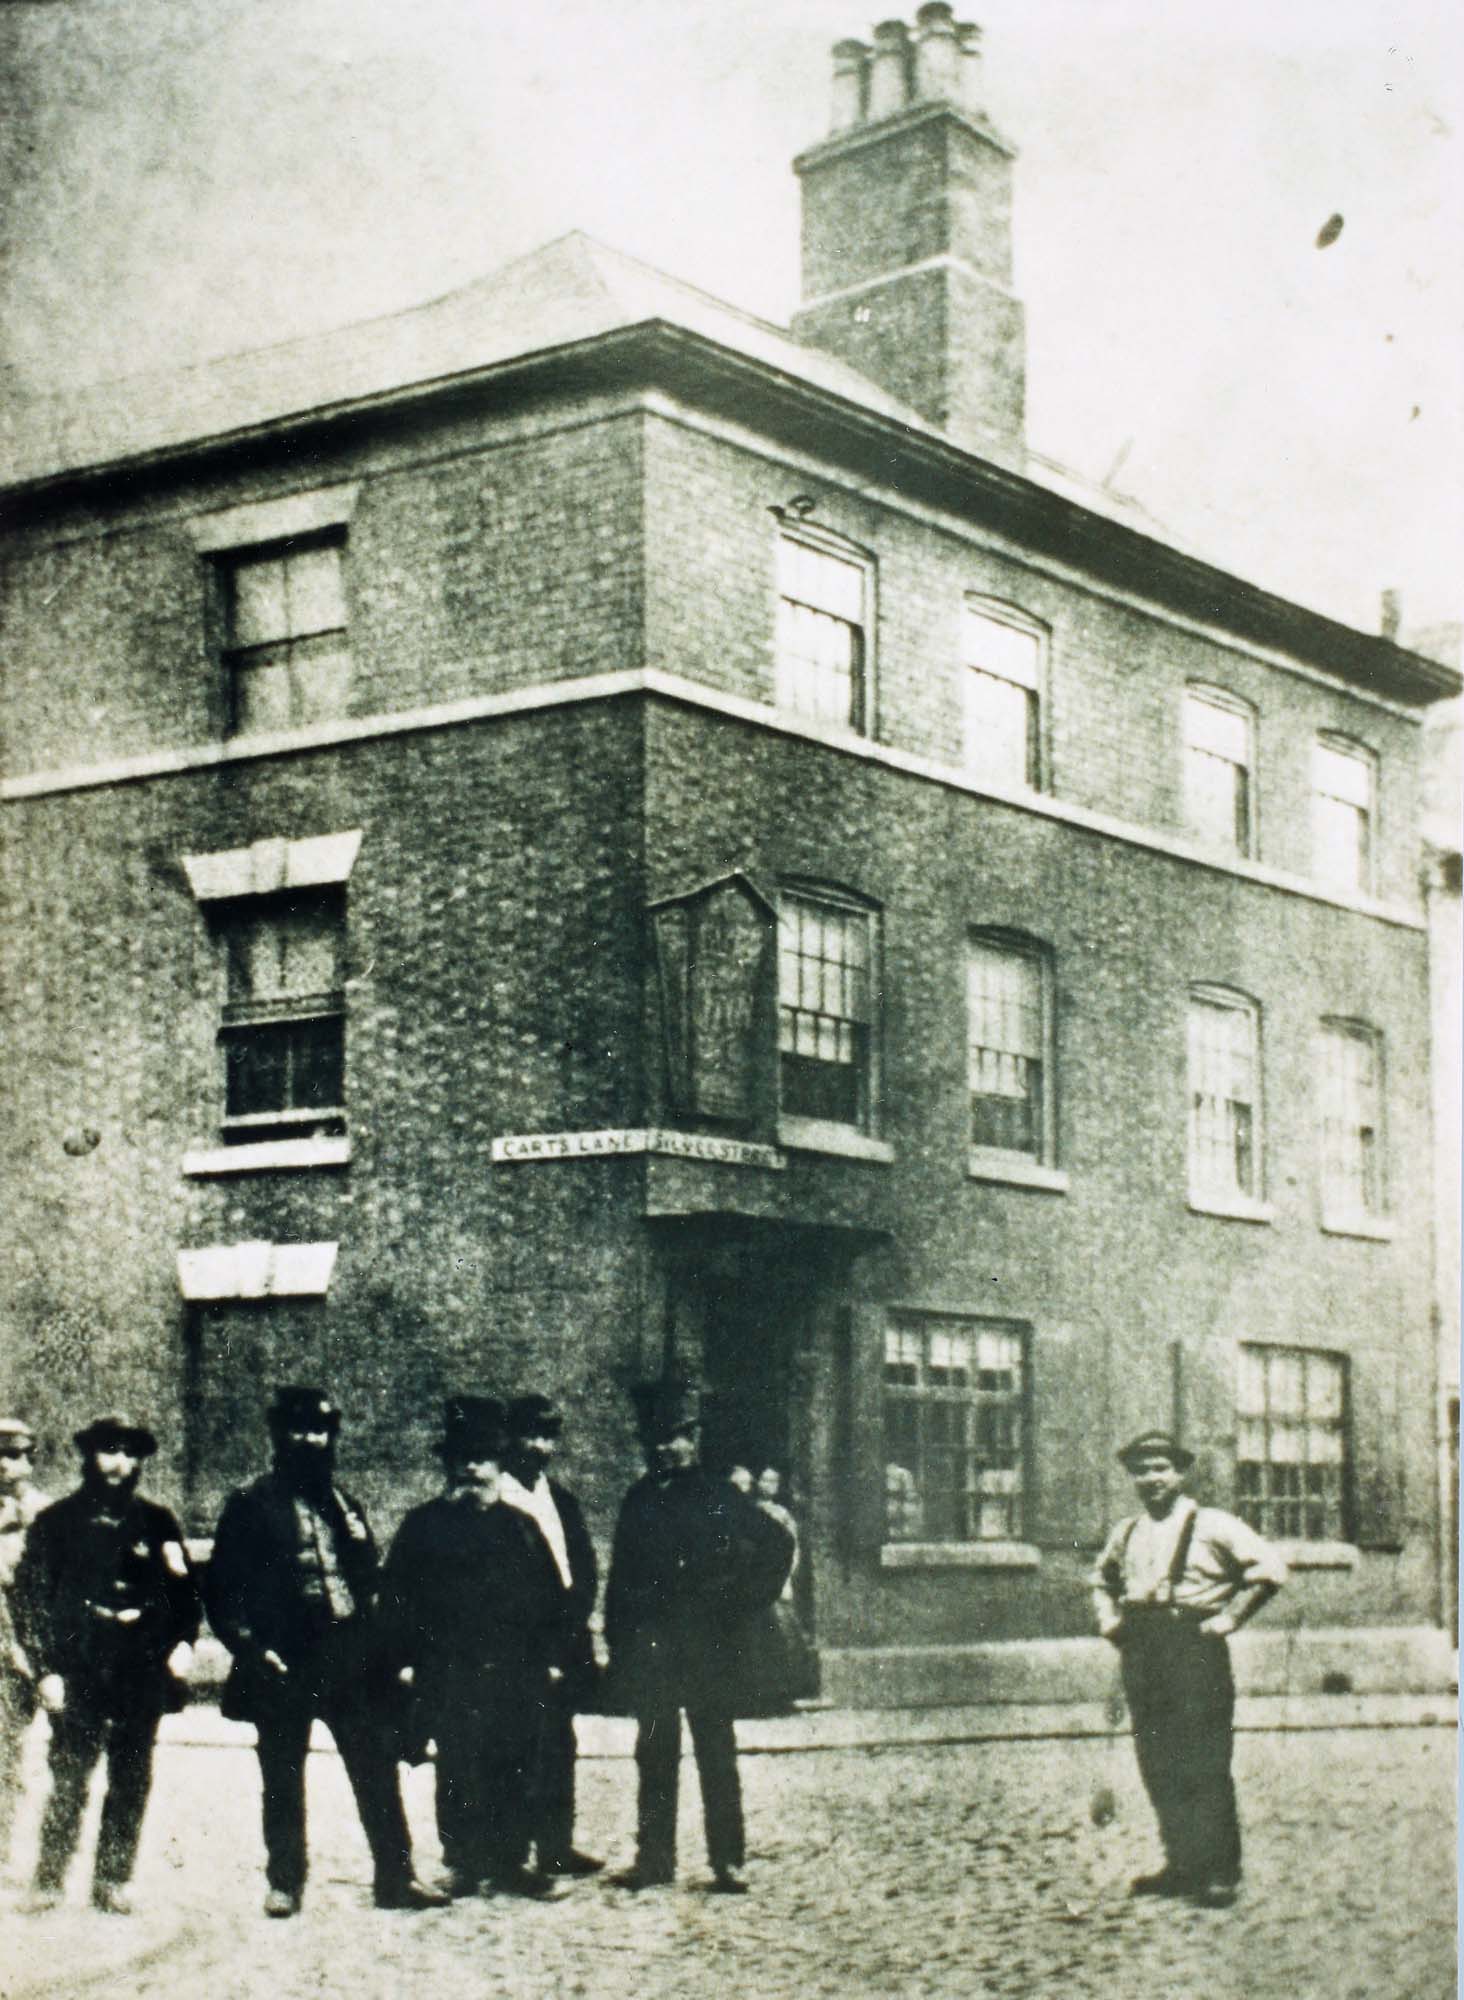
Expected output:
(889, 70)
(938, 58)
(1392, 614)
(968, 70)
(851, 84)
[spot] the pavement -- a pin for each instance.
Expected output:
(943, 1854)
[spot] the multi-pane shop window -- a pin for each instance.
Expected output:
(283, 1034)
(822, 615)
(1217, 770)
(1343, 785)
(954, 1400)
(1002, 688)
(285, 635)
(1352, 1135)
(1007, 1066)
(825, 1010)
(1291, 1447)
(1224, 1095)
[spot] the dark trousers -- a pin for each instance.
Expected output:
(17, 1706)
(284, 1742)
(1181, 1696)
(487, 1755)
(553, 1790)
(80, 1734)
(658, 1761)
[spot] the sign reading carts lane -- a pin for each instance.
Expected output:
(515, 1148)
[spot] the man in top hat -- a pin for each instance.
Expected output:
(534, 1426)
(20, 1502)
(106, 1610)
(474, 1604)
(292, 1592)
(694, 1561)
(1173, 1582)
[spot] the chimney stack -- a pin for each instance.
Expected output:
(907, 233)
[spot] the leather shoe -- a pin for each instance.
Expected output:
(112, 1897)
(641, 1878)
(571, 1863)
(1163, 1882)
(729, 1882)
(40, 1899)
(280, 1903)
(410, 1895)
(526, 1882)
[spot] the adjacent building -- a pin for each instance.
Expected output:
(575, 832)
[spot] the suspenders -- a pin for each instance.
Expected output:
(1164, 1596)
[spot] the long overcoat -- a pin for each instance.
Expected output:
(694, 1564)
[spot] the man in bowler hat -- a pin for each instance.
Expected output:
(292, 1592)
(534, 1426)
(20, 1502)
(106, 1610)
(694, 1562)
(1173, 1582)
(474, 1605)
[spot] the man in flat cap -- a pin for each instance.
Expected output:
(20, 1502)
(1173, 1582)
(106, 1610)
(292, 1592)
(694, 1562)
(534, 1426)
(473, 1603)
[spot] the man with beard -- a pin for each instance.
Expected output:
(473, 1601)
(106, 1610)
(20, 1502)
(292, 1591)
(693, 1564)
(535, 1424)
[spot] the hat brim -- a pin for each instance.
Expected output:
(134, 1439)
(1176, 1455)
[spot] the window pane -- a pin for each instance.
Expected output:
(1000, 729)
(823, 1012)
(1222, 1093)
(1342, 785)
(1224, 732)
(263, 695)
(819, 665)
(1004, 650)
(1289, 1462)
(257, 606)
(1217, 801)
(315, 589)
(953, 1430)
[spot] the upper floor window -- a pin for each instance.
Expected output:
(1002, 680)
(1344, 783)
(1224, 1097)
(283, 1031)
(954, 1429)
(1008, 1035)
(1218, 751)
(826, 1009)
(284, 611)
(1291, 1443)
(820, 664)
(1352, 1120)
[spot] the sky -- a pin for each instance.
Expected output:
(189, 178)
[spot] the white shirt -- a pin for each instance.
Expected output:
(538, 1503)
(1225, 1557)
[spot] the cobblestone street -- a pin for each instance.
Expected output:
(960, 1870)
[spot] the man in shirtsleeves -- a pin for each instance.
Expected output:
(1171, 1585)
(20, 1502)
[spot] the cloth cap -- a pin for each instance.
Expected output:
(16, 1435)
(534, 1416)
(117, 1433)
(299, 1407)
(665, 1408)
(472, 1428)
(1156, 1444)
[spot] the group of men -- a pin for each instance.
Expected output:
(474, 1634)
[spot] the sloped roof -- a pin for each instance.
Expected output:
(568, 291)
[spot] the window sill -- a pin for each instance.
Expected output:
(1317, 1555)
(1372, 1228)
(266, 1155)
(1014, 1169)
(817, 1135)
(960, 1555)
(1235, 1207)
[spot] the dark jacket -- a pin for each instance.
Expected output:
(472, 1602)
(256, 1600)
(575, 1654)
(693, 1565)
(102, 1598)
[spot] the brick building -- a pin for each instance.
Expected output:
(574, 832)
